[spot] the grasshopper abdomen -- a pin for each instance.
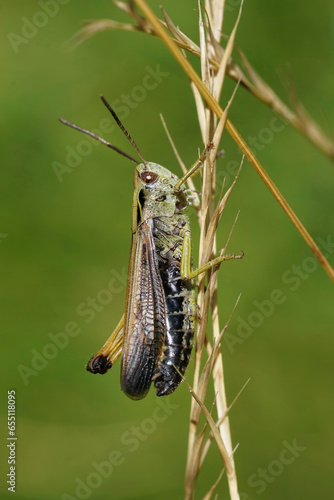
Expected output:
(180, 307)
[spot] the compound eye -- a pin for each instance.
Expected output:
(148, 177)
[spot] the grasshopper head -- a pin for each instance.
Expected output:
(155, 191)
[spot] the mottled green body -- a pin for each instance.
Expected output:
(161, 306)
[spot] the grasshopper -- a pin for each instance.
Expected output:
(155, 335)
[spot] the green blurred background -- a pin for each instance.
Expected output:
(62, 242)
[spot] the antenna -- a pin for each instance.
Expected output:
(123, 129)
(106, 143)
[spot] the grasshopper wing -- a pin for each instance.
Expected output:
(145, 315)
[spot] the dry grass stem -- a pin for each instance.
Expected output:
(214, 486)
(246, 74)
(195, 198)
(215, 432)
(215, 107)
(254, 83)
(198, 450)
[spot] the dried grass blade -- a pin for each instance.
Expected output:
(267, 94)
(221, 124)
(217, 49)
(94, 27)
(208, 441)
(319, 139)
(125, 7)
(216, 12)
(238, 395)
(214, 486)
(237, 138)
(190, 183)
(213, 427)
(307, 125)
(197, 451)
(226, 57)
(178, 34)
(209, 363)
(210, 234)
(204, 53)
(200, 110)
(203, 379)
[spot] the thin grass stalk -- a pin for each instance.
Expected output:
(209, 298)
(243, 146)
(255, 84)
(248, 77)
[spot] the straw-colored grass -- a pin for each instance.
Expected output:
(219, 62)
